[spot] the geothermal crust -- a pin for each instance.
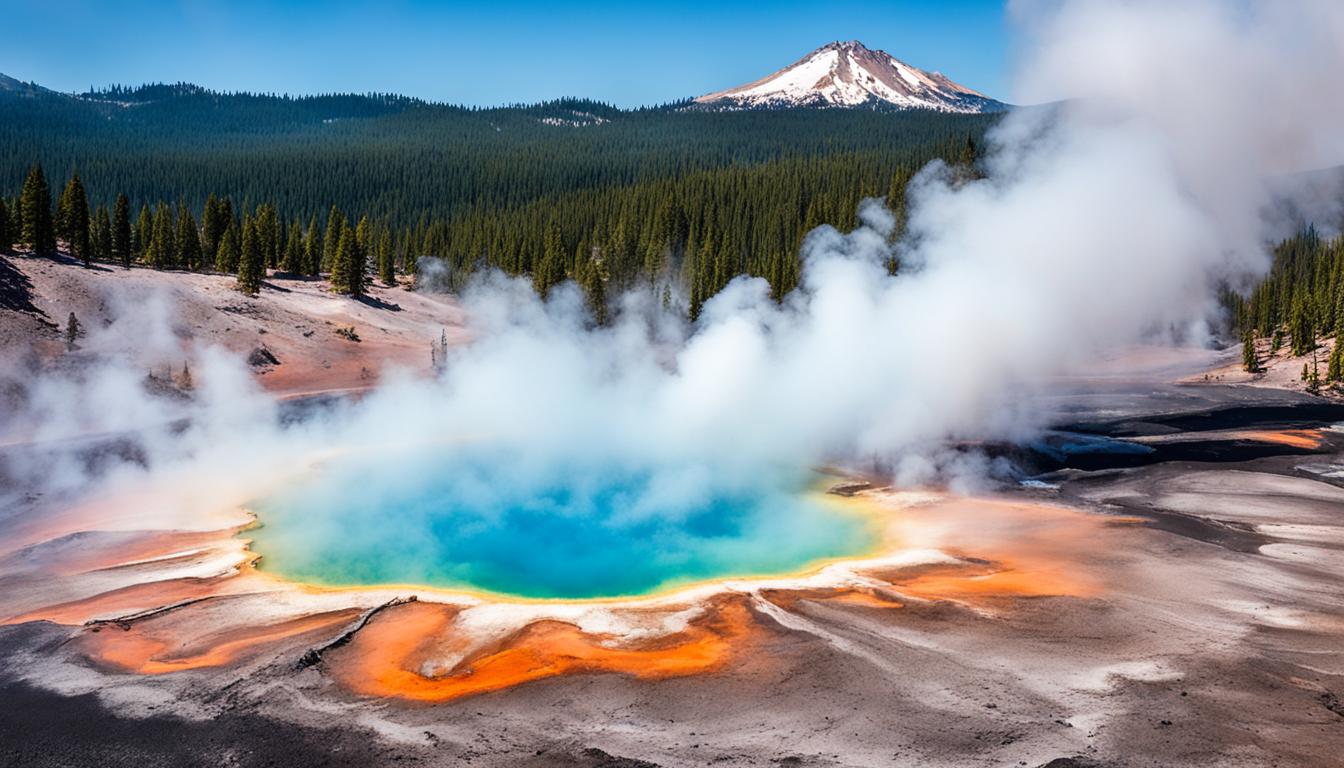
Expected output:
(1177, 613)
(1178, 604)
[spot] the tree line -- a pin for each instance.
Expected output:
(1299, 302)
(686, 236)
(179, 177)
(168, 237)
(399, 160)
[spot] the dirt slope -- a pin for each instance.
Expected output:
(298, 321)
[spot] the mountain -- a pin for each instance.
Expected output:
(9, 85)
(848, 74)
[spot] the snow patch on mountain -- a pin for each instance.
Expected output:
(848, 74)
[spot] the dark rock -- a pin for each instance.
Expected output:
(1073, 762)
(261, 356)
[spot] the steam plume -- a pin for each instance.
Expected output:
(1105, 217)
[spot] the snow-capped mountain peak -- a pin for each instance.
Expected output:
(848, 74)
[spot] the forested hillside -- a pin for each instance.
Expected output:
(681, 200)
(1300, 301)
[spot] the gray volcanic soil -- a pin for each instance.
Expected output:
(1218, 641)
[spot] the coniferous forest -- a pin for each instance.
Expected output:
(178, 177)
(1300, 301)
(361, 187)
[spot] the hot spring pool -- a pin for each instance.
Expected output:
(480, 524)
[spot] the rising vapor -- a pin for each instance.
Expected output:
(1104, 217)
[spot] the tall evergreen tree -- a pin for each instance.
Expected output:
(6, 228)
(1301, 329)
(1334, 370)
(312, 249)
(339, 278)
(63, 201)
(162, 251)
(73, 220)
(335, 228)
(212, 227)
(1250, 360)
(189, 252)
(39, 231)
(593, 277)
(143, 232)
(15, 219)
(292, 262)
(121, 232)
(230, 251)
(251, 268)
(102, 235)
(216, 218)
(347, 274)
(267, 223)
(551, 269)
(386, 265)
(363, 234)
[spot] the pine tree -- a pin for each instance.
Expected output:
(162, 252)
(143, 232)
(216, 218)
(15, 219)
(551, 270)
(363, 234)
(189, 252)
(63, 201)
(358, 268)
(39, 232)
(312, 249)
(102, 235)
(121, 232)
(386, 265)
(409, 257)
(267, 222)
(230, 251)
(212, 227)
(335, 227)
(292, 262)
(340, 261)
(1249, 359)
(72, 220)
(1334, 370)
(251, 268)
(6, 239)
(594, 280)
(347, 273)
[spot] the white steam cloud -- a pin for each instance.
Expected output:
(1108, 215)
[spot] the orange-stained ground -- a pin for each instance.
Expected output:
(129, 600)
(150, 648)
(1307, 439)
(389, 657)
(420, 651)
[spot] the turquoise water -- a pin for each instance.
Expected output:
(481, 522)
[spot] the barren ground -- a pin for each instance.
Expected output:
(1179, 612)
(296, 319)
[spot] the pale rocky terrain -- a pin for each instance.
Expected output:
(1184, 609)
(163, 319)
(1281, 369)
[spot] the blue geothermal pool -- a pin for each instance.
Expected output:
(484, 523)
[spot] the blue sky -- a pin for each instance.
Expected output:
(483, 53)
